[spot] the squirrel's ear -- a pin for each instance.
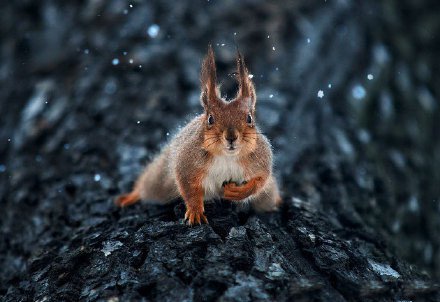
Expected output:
(246, 89)
(208, 79)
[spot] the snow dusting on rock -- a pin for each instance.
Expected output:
(383, 269)
(111, 246)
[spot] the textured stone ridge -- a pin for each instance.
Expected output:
(299, 253)
(91, 90)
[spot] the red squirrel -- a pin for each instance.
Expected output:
(221, 153)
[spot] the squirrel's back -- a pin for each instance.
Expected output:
(157, 183)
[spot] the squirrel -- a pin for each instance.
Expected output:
(221, 153)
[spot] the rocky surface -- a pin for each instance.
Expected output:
(90, 91)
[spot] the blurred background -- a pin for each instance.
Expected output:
(347, 92)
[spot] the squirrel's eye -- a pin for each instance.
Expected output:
(249, 119)
(210, 120)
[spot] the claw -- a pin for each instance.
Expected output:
(193, 218)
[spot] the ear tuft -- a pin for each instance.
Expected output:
(246, 90)
(208, 79)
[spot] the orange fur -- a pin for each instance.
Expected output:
(222, 144)
(239, 192)
(127, 199)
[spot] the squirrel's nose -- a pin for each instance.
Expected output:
(231, 136)
(231, 139)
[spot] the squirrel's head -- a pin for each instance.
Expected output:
(229, 126)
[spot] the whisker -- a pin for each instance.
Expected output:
(209, 144)
(248, 135)
(209, 138)
(245, 140)
(212, 143)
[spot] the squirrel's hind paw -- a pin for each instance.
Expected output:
(127, 199)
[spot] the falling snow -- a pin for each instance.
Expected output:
(308, 40)
(251, 76)
(358, 92)
(320, 94)
(115, 61)
(97, 177)
(370, 76)
(271, 96)
(413, 204)
(153, 30)
(273, 47)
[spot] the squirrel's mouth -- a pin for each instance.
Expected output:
(232, 150)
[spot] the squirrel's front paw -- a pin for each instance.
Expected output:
(194, 217)
(232, 191)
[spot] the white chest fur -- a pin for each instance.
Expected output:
(223, 168)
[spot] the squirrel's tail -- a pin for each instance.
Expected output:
(127, 199)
